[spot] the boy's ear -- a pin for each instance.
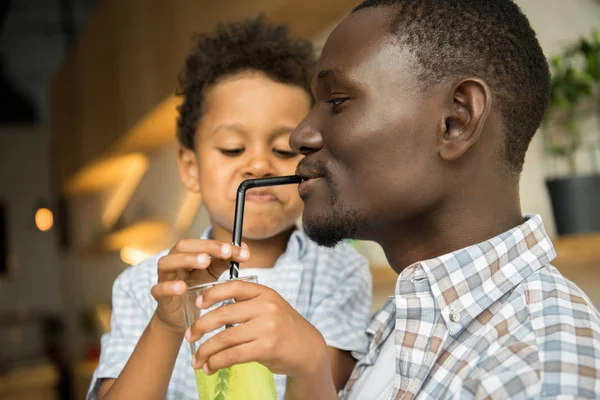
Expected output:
(188, 169)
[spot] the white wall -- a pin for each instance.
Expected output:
(34, 283)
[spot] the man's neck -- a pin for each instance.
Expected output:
(451, 227)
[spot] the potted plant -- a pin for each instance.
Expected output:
(574, 183)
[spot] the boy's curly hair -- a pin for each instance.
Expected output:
(250, 45)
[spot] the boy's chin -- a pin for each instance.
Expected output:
(264, 231)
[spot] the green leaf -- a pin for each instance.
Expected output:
(557, 150)
(222, 384)
(575, 75)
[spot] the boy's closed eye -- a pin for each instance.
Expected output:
(232, 152)
(284, 153)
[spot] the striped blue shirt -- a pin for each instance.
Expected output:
(331, 288)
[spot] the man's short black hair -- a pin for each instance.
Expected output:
(489, 39)
(248, 45)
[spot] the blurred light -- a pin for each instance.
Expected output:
(148, 234)
(188, 210)
(132, 174)
(132, 255)
(44, 219)
(101, 175)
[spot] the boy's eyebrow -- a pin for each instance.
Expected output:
(239, 128)
(281, 130)
(229, 127)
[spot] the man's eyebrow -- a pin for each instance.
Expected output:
(327, 73)
(335, 75)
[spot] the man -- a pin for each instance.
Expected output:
(423, 113)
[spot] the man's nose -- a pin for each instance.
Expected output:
(306, 139)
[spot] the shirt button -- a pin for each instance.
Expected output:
(454, 317)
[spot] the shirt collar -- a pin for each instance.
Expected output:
(207, 233)
(378, 331)
(466, 282)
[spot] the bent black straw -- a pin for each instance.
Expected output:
(239, 208)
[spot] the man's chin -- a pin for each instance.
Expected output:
(329, 228)
(321, 237)
(322, 231)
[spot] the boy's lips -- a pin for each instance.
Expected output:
(260, 195)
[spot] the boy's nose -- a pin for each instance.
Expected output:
(259, 166)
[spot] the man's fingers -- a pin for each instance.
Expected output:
(225, 339)
(240, 354)
(227, 314)
(168, 289)
(235, 289)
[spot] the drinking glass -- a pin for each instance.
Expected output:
(250, 381)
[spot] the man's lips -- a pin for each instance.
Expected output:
(309, 176)
(305, 186)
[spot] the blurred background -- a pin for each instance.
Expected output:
(88, 175)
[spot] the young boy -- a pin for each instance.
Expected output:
(245, 88)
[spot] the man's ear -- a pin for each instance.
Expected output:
(470, 106)
(188, 169)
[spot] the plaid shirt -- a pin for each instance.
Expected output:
(331, 288)
(491, 321)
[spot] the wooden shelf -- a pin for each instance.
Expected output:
(578, 259)
(572, 252)
(82, 372)
(37, 382)
(578, 249)
(383, 275)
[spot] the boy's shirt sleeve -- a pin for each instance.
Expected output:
(128, 321)
(343, 292)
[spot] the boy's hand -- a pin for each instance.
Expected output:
(186, 255)
(271, 332)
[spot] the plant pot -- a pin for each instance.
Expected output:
(576, 204)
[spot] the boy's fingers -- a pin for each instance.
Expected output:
(213, 248)
(197, 254)
(177, 261)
